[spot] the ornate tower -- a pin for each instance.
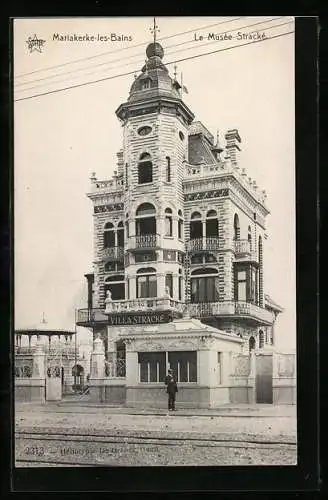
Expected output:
(155, 145)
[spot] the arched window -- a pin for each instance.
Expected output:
(109, 235)
(196, 226)
(180, 225)
(168, 222)
(145, 219)
(212, 226)
(145, 169)
(146, 283)
(236, 227)
(251, 344)
(249, 237)
(205, 285)
(168, 169)
(116, 286)
(120, 234)
(145, 84)
(261, 339)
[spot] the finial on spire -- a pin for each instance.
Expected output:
(43, 318)
(154, 29)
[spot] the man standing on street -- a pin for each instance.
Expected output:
(171, 389)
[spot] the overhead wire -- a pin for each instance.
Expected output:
(124, 48)
(140, 61)
(167, 63)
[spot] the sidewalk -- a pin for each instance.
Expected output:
(226, 410)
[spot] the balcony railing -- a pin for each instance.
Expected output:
(146, 241)
(114, 253)
(230, 308)
(27, 351)
(243, 250)
(147, 304)
(90, 316)
(203, 244)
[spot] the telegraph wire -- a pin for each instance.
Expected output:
(171, 62)
(125, 48)
(137, 62)
(140, 61)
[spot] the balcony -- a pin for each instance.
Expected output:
(89, 317)
(113, 253)
(203, 244)
(143, 242)
(144, 305)
(239, 310)
(244, 251)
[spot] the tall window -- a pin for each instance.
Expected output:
(145, 169)
(168, 222)
(169, 283)
(184, 365)
(249, 237)
(146, 283)
(246, 283)
(212, 227)
(180, 225)
(241, 286)
(180, 284)
(219, 369)
(261, 339)
(152, 366)
(116, 285)
(204, 285)
(145, 219)
(109, 235)
(196, 226)
(120, 234)
(236, 227)
(168, 169)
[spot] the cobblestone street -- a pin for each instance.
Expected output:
(59, 434)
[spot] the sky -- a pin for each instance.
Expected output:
(62, 137)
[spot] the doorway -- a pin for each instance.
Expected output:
(264, 379)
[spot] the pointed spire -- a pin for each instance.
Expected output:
(154, 29)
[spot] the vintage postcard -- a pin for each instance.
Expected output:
(155, 248)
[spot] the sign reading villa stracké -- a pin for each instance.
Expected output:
(139, 319)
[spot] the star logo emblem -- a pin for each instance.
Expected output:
(35, 44)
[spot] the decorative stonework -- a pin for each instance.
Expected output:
(217, 193)
(115, 207)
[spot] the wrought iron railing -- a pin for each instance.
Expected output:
(230, 308)
(210, 243)
(243, 249)
(115, 367)
(115, 253)
(146, 241)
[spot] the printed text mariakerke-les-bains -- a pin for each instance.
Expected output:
(77, 37)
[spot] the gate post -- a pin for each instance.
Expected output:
(38, 375)
(251, 378)
(97, 375)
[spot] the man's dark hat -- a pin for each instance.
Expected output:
(170, 370)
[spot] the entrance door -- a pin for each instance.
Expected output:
(263, 379)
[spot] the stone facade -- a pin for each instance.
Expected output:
(179, 231)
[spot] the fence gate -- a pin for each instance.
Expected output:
(264, 379)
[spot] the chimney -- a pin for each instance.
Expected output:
(232, 139)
